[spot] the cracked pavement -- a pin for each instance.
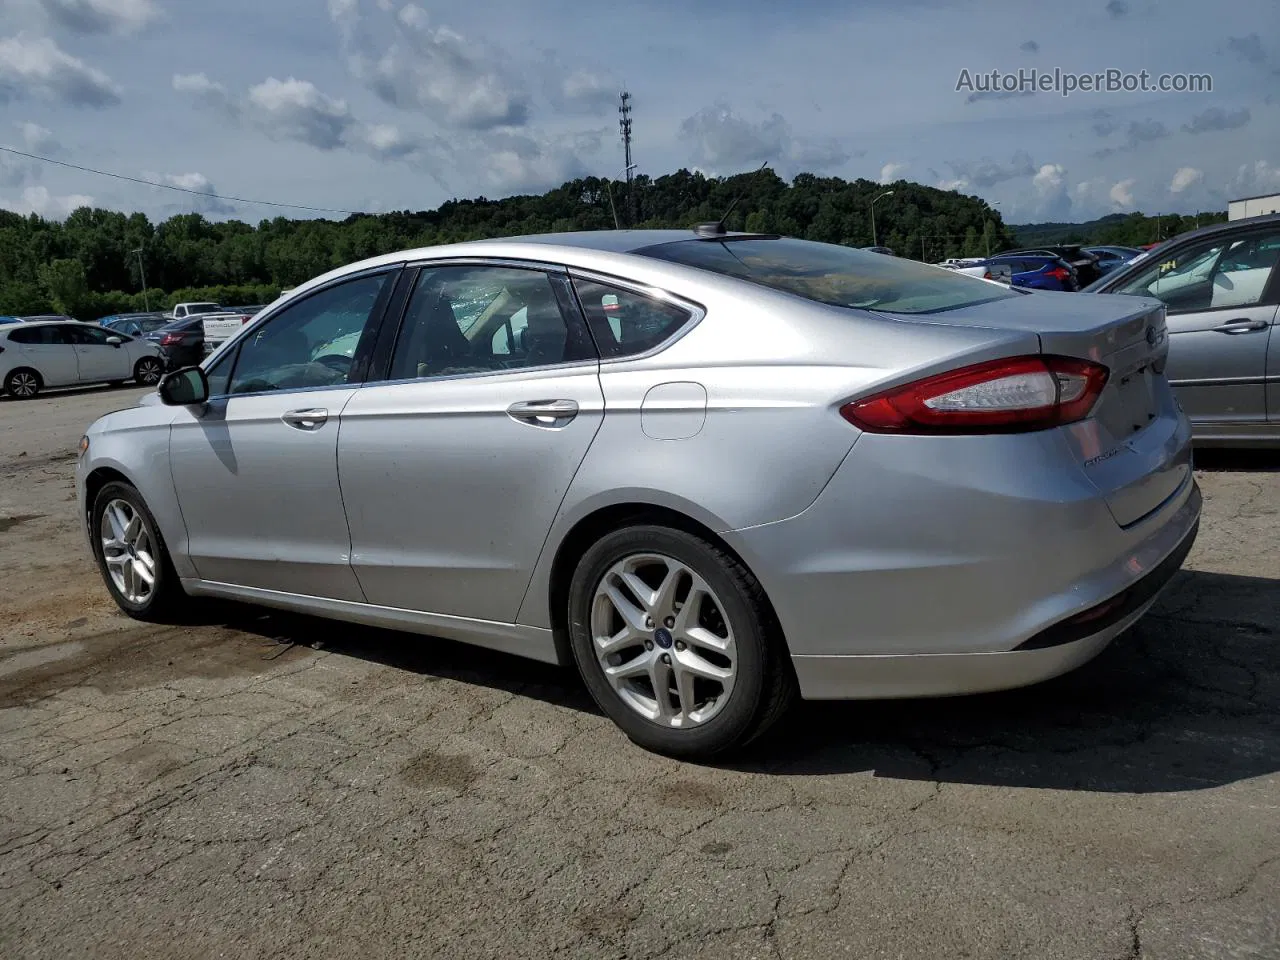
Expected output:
(259, 785)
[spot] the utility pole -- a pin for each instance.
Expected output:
(887, 193)
(146, 303)
(624, 126)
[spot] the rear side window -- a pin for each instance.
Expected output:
(38, 336)
(625, 323)
(831, 274)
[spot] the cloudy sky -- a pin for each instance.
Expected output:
(387, 104)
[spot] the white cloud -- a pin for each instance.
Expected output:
(39, 200)
(1053, 200)
(891, 171)
(35, 66)
(433, 69)
(1256, 178)
(101, 16)
(296, 110)
(1049, 177)
(959, 185)
(197, 183)
(718, 139)
(1121, 194)
(37, 138)
(1184, 178)
(987, 172)
(196, 83)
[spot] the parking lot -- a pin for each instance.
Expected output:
(252, 784)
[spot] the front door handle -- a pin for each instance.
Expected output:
(1241, 326)
(544, 413)
(310, 419)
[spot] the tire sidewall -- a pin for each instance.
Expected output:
(123, 491)
(730, 726)
(8, 383)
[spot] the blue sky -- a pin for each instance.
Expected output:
(386, 104)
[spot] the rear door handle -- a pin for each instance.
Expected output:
(1241, 326)
(311, 419)
(544, 413)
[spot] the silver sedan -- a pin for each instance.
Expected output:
(710, 471)
(1221, 287)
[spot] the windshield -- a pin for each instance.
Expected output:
(827, 273)
(203, 308)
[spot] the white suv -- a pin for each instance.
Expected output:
(38, 355)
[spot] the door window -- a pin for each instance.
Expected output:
(311, 343)
(1215, 274)
(626, 323)
(483, 319)
(93, 336)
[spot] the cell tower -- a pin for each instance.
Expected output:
(624, 125)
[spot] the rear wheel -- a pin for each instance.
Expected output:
(676, 642)
(22, 384)
(148, 371)
(132, 556)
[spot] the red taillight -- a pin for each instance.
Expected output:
(987, 276)
(1059, 273)
(169, 339)
(1001, 396)
(246, 318)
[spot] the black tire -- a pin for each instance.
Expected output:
(148, 371)
(764, 684)
(166, 596)
(23, 383)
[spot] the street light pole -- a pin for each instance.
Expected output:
(142, 270)
(887, 193)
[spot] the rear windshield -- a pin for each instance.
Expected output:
(827, 273)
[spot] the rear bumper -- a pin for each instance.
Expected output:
(942, 565)
(1055, 651)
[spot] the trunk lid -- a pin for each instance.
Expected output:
(1135, 445)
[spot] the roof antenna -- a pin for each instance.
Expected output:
(716, 228)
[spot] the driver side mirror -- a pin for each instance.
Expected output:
(115, 341)
(184, 388)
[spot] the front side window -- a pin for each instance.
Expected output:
(480, 319)
(311, 343)
(832, 274)
(625, 323)
(1214, 274)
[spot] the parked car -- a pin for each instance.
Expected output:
(503, 460)
(42, 354)
(183, 310)
(1086, 265)
(1111, 257)
(134, 324)
(181, 342)
(220, 327)
(7, 319)
(1035, 272)
(1221, 287)
(44, 317)
(887, 251)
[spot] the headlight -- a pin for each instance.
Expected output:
(84, 445)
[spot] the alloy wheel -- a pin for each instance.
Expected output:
(662, 640)
(127, 551)
(148, 370)
(24, 384)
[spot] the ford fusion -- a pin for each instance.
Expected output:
(710, 471)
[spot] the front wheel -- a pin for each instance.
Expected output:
(148, 371)
(676, 642)
(132, 556)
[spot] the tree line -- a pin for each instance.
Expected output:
(93, 262)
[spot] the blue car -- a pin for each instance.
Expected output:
(5, 319)
(1110, 257)
(1033, 271)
